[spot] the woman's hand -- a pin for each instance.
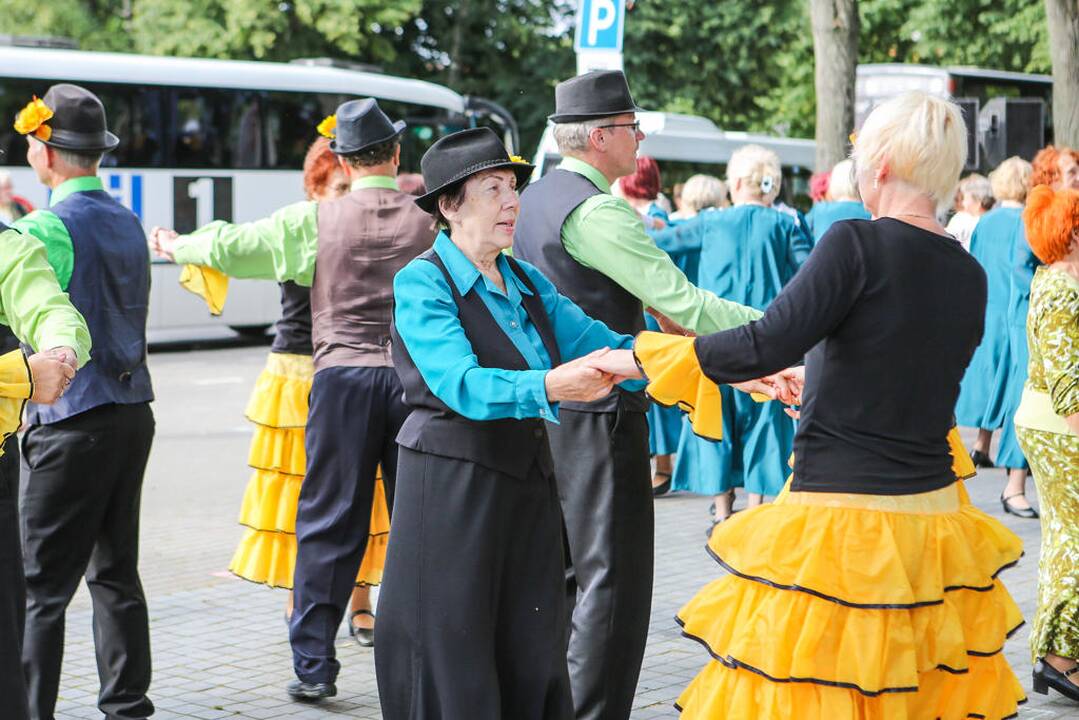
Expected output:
(163, 242)
(579, 380)
(51, 376)
(785, 386)
(617, 363)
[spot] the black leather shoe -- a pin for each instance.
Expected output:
(1046, 676)
(981, 460)
(310, 692)
(1027, 512)
(365, 637)
(664, 487)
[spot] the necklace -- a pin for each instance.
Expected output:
(915, 215)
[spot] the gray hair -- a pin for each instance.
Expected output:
(977, 188)
(573, 137)
(81, 161)
(703, 191)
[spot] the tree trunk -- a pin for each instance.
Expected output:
(835, 50)
(1063, 16)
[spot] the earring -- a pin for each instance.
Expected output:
(876, 183)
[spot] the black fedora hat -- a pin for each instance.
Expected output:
(456, 157)
(361, 124)
(76, 123)
(600, 93)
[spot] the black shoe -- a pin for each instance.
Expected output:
(981, 460)
(310, 692)
(664, 487)
(1028, 512)
(1046, 676)
(365, 637)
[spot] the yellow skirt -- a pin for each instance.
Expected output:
(856, 607)
(278, 408)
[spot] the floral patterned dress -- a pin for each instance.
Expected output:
(1051, 394)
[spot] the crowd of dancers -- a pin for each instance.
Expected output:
(465, 391)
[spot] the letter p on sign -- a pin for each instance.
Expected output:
(599, 25)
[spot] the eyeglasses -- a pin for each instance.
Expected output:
(635, 125)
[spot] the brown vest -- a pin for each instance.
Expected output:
(364, 238)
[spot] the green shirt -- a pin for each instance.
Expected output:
(606, 234)
(31, 301)
(281, 247)
(51, 231)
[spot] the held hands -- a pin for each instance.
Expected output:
(163, 242)
(51, 373)
(619, 364)
(579, 380)
(785, 386)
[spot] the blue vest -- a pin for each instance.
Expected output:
(110, 286)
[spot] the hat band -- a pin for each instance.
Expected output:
(93, 139)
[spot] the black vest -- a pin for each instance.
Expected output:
(292, 333)
(545, 205)
(507, 446)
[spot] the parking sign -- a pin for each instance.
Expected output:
(599, 25)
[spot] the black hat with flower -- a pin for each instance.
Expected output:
(69, 117)
(457, 157)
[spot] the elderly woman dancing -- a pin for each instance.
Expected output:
(472, 623)
(869, 589)
(1047, 423)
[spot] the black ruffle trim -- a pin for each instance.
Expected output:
(846, 603)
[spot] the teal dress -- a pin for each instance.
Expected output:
(982, 394)
(748, 253)
(665, 424)
(823, 214)
(1023, 265)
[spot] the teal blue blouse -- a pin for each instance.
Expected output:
(425, 315)
(823, 214)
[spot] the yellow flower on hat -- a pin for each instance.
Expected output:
(31, 119)
(326, 127)
(518, 159)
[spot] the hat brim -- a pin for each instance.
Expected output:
(559, 118)
(398, 128)
(57, 140)
(523, 171)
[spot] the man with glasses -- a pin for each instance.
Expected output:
(594, 248)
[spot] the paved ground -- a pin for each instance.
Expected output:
(220, 646)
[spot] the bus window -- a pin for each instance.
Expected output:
(289, 121)
(14, 94)
(134, 114)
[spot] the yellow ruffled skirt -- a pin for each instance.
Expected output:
(842, 606)
(278, 408)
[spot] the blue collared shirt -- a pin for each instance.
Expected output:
(425, 315)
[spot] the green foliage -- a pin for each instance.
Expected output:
(747, 66)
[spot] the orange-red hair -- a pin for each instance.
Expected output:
(319, 166)
(1047, 165)
(1051, 218)
(643, 184)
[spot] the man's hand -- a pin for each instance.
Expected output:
(619, 364)
(667, 325)
(163, 242)
(51, 377)
(64, 354)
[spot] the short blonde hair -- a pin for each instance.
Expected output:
(1011, 179)
(922, 138)
(703, 191)
(977, 188)
(758, 168)
(841, 185)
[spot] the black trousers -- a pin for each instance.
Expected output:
(352, 425)
(471, 616)
(12, 588)
(601, 462)
(79, 504)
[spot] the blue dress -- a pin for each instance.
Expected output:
(665, 424)
(1023, 264)
(823, 214)
(748, 253)
(982, 394)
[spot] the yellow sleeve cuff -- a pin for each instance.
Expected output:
(209, 284)
(962, 465)
(16, 385)
(675, 379)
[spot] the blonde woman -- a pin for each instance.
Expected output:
(868, 589)
(983, 395)
(748, 253)
(841, 203)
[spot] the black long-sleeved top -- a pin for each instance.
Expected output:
(889, 315)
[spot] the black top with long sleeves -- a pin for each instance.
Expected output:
(887, 316)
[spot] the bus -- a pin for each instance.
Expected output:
(218, 139)
(987, 97)
(684, 145)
